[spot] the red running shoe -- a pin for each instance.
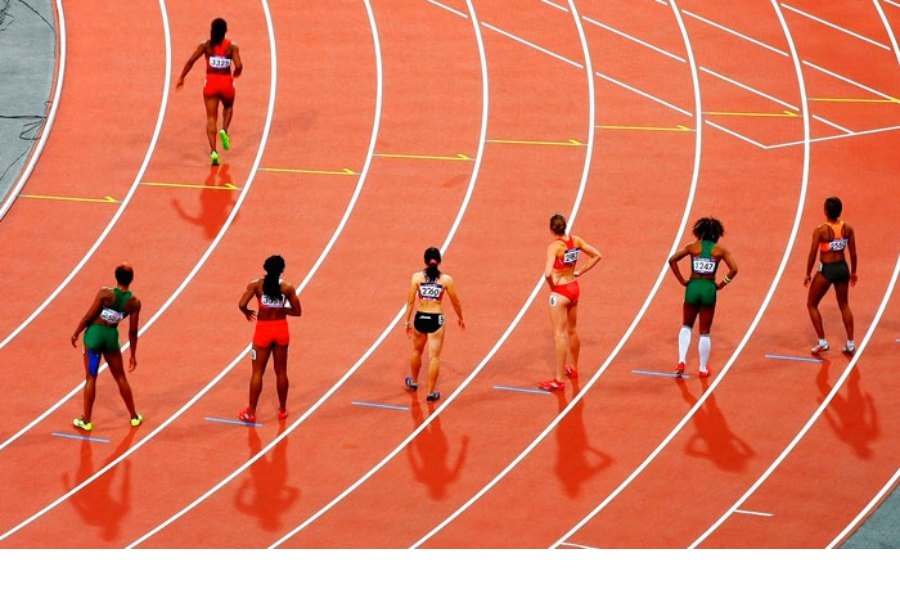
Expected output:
(679, 370)
(571, 372)
(704, 374)
(553, 385)
(246, 417)
(282, 414)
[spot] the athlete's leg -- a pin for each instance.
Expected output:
(435, 343)
(415, 358)
(704, 345)
(260, 358)
(117, 370)
(90, 383)
(817, 288)
(227, 111)
(841, 290)
(689, 315)
(280, 354)
(572, 335)
(212, 117)
(559, 306)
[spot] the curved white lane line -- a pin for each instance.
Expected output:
(750, 330)
(62, 40)
(804, 101)
(887, 29)
(128, 196)
(245, 189)
(866, 512)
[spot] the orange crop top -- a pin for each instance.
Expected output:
(838, 242)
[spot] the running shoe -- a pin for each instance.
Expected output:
(704, 374)
(433, 396)
(411, 384)
(552, 385)
(282, 414)
(822, 346)
(849, 347)
(246, 417)
(136, 422)
(214, 158)
(679, 370)
(571, 372)
(82, 424)
(226, 141)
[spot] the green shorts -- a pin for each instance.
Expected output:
(101, 338)
(700, 292)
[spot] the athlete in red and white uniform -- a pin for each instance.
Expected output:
(561, 272)
(223, 64)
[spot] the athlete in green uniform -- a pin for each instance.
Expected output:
(700, 292)
(101, 339)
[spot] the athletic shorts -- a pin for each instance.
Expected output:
(271, 333)
(569, 290)
(700, 292)
(428, 322)
(221, 86)
(101, 338)
(836, 272)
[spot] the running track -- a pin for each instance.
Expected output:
(366, 131)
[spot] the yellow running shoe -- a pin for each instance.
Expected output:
(82, 424)
(136, 422)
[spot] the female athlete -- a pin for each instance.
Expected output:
(428, 287)
(221, 54)
(701, 288)
(830, 240)
(560, 273)
(276, 301)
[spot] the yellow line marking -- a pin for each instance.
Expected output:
(642, 128)
(859, 100)
(193, 186)
(425, 156)
(538, 142)
(788, 113)
(345, 171)
(104, 200)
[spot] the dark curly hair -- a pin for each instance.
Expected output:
(708, 228)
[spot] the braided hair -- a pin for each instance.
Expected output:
(274, 267)
(217, 32)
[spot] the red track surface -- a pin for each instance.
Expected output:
(361, 136)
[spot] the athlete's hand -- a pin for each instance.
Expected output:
(132, 363)
(853, 279)
(180, 83)
(462, 324)
(807, 280)
(75, 340)
(249, 314)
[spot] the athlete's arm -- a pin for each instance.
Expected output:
(90, 315)
(851, 249)
(410, 302)
(732, 268)
(548, 266)
(134, 318)
(236, 61)
(201, 49)
(249, 293)
(813, 251)
(291, 294)
(450, 286)
(593, 254)
(673, 264)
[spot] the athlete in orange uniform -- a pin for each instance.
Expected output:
(221, 55)
(561, 273)
(830, 241)
(277, 300)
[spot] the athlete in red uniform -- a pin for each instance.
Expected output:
(560, 273)
(277, 300)
(221, 55)
(830, 240)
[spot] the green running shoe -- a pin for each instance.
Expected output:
(214, 158)
(226, 141)
(136, 422)
(82, 424)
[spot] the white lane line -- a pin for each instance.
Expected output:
(634, 39)
(834, 26)
(888, 29)
(532, 45)
(865, 512)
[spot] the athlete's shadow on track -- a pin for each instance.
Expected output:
(95, 504)
(265, 494)
(576, 460)
(215, 203)
(851, 413)
(429, 453)
(713, 438)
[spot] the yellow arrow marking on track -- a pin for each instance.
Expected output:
(788, 113)
(104, 200)
(538, 142)
(344, 171)
(193, 186)
(645, 128)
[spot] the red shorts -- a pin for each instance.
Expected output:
(218, 85)
(569, 290)
(271, 333)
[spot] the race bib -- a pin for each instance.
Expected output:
(704, 266)
(430, 291)
(837, 245)
(571, 256)
(270, 302)
(111, 316)
(219, 62)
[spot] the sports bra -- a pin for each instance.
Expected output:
(704, 263)
(569, 257)
(430, 290)
(217, 61)
(837, 242)
(112, 315)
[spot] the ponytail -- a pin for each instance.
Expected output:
(274, 267)
(432, 261)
